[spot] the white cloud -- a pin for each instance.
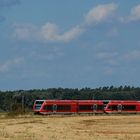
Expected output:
(109, 58)
(112, 61)
(24, 32)
(132, 56)
(106, 55)
(9, 64)
(135, 13)
(100, 13)
(47, 33)
(108, 71)
(71, 34)
(52, 54)
(115, 59)
(51, 32)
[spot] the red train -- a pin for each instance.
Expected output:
(85, 106)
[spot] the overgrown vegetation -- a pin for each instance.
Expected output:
(13, 100)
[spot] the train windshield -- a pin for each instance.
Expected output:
(38, 104)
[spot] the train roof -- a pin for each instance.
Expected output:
(72, 101)
(124, 101)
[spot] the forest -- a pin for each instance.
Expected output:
(10, 100)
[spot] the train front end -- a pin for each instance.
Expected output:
(37, 106)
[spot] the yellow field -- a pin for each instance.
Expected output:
(32, 127)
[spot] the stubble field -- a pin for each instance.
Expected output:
(96, 127)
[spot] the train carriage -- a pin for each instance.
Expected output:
(58, 106)
(90, 106)
(123, 107)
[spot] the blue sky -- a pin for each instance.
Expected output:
(70, 44)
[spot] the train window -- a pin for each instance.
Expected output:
(54, 107)
(85, 107)
(49, 107)
(100, 107)
(113, 107)
(45, 107)
(119, 107)
(39, 102)
(128, 107)
(63, 107)
(94, 107)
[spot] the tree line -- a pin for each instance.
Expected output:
(10, 99)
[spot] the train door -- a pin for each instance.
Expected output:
(105, 103)
(119, 108)
(54, 108)
(95, 108)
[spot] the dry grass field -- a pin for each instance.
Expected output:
(34, 127)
